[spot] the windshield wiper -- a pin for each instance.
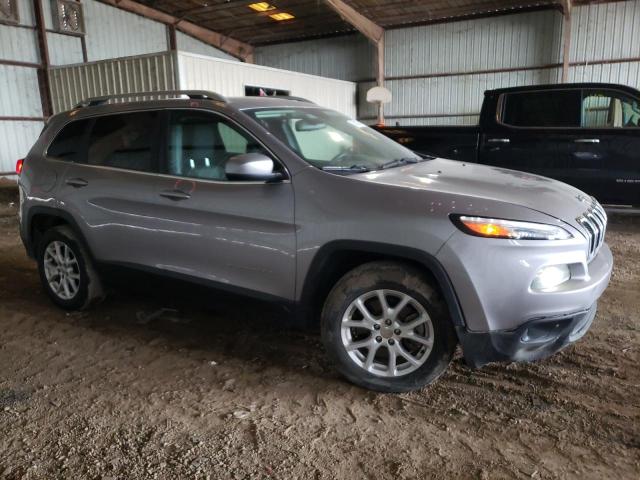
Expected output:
(342, 169)
(400, 161)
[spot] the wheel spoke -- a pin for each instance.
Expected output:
(65, 285)
(415, 323)
(418, 339)
(68, 256)
(362, 308)
(391, 364)
(364, 324)
(58, 257)
(406, 355)
(367, 342)
(373, 348)
(398, 308)
(383, 301)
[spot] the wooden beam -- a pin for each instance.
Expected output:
(43, 47)
(566, 38)
(371, 30)
(233, 47)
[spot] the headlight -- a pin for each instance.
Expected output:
(499, 228)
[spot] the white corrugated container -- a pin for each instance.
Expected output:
(187, 71)
(229, 78)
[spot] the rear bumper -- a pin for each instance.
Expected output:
(534, 340)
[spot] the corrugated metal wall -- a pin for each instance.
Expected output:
(606, 32)
(73, 83)
(348, 57)
(438, 73)
(229, 78)
(187, 43)
(19, 92)
(113, 33)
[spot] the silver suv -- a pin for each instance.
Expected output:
(398, 257)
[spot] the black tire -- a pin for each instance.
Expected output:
(90, 287)
(402, 278)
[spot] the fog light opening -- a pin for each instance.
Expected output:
(550, 277)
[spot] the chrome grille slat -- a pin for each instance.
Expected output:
(594, 223)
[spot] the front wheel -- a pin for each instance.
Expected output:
(387, 329)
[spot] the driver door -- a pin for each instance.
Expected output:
(239, 234)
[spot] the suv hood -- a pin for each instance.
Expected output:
(480, 181)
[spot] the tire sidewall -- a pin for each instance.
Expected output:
(81, 298)
(444, 336)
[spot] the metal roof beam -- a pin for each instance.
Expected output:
(233, 47)
(371, 30)
(566, 38)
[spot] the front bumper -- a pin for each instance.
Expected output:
(505, 320)
(536, 339)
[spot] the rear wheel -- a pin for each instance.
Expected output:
(66, 271)
(387, 329)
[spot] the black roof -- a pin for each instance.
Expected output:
(556, 86)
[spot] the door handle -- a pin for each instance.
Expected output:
(498, 140)
(175, 195)
(587, 140)
(77, 182)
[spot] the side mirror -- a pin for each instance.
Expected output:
(254, 167)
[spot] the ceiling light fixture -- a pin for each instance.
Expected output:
(261, 7)
(281, 16)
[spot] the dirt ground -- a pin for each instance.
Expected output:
(221, 388)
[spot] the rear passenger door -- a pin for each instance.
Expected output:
(609, 142)
(235, 233)
(532, 133)
(109, 186)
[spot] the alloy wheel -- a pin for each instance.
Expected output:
(62, 270)
(387, 333)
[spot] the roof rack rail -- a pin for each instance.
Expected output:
(192, 94)
(297, 99)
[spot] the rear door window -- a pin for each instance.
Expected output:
(70, 143)
(609, 109)
(124, 141)
(548, 108)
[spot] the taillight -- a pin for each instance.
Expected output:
(19, 165)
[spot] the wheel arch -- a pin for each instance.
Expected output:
(40, 219)
(336, 258)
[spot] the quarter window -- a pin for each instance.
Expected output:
(548, 108)
(609, 110)
(123, 141)
(200, 144)
(70, 142)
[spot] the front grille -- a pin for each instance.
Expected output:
(594, 222)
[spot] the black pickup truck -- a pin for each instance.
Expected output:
(584, 134)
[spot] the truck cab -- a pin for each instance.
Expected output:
(584, 134)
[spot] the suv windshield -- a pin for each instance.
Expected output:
(331, 141)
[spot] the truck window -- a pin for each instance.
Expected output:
(608, 109)
(544, 108)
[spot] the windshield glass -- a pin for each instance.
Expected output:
(329, 140)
